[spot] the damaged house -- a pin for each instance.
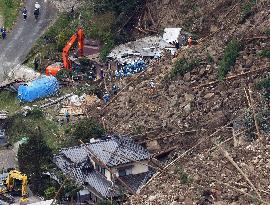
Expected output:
(104, 167)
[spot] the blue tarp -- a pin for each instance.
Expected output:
(39, 88)
(130, 69)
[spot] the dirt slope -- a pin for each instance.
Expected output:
(184, 104)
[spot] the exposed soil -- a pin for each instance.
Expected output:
(186, 104)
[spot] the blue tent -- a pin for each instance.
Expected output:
(39, 88)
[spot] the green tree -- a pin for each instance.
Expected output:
(88, 128)
(34, 158)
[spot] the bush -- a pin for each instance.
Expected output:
(9, 9)
(183, 66)
(246, 10)
(183, 176)
(88, 128)
(263, 84)
(265, 53)
(49, 193)
(267, 31)
(230, 55)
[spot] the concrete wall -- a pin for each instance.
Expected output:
(140, 168)
(137, 168)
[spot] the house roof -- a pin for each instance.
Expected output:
(112, 151)
(75, 162)
(83, 173)
(115, 151)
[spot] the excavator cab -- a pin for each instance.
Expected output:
(67, 61)
(16, 183)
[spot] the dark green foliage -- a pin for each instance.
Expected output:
(209, 59)
(183, 176)
(36, 113)
(183, 66)
(230, 54)
(49, 193)
(263, 84)
(63, 74)
(246, 10)
(34, 158)
(265, 53)
(88, 128)
(267, 31)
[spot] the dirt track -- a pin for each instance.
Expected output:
(18, 43)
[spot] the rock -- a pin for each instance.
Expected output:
(130, 88)
(209, 95)
(187, 108)
(174, 101)
(189, 97)
(187, 77)
(174, 203)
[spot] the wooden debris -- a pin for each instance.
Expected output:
(241, 191)
(232, 77)
(230, 159)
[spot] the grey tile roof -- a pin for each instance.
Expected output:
(83, 173)
(75, 162)
(118, 150)
(137, 180)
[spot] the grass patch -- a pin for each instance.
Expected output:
(246, 10)
(230, 54)
(9, 102)
(19, 126)
(9, 9)
(183, 66)
(265, 53)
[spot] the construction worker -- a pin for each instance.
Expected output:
(106, 97)
(67, 116)
(190, 41)
(36, 63)
(114, 89)
(24, 13)
(4, 32)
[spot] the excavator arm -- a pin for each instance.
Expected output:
(65, 55)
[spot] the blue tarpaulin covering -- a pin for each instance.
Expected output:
(39, 88)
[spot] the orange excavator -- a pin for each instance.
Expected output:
(67, 63)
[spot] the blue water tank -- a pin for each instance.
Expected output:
(38, 88)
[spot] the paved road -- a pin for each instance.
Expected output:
(18, 43)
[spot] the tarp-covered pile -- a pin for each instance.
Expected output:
(131, 68)
(39, 88)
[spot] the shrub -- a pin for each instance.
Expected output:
(267, 31)
(183, 176)
(230, 55)
(49, 193)
(183, 66)
(246, 10)
(88, 128)
(265, 53)
(263, 84)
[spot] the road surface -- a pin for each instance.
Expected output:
(18, 43)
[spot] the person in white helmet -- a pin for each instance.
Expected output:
(37, 5)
